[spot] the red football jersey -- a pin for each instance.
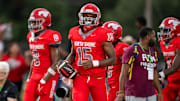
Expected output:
(169, 52)
(40, 49)
(114, 71)
(89, 47)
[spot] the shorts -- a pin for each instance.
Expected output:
(134, 98)
(31, 86)
(84, 85)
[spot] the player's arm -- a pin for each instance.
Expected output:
(50, 72)
(157, 85)
(109, 50)
(65, 68)
(30, 71)
(63, 52)
(122, 80)
(55, 56)
(71, 57)
(111, 60)
(175, 66)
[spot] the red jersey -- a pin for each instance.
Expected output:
(40, 49)
(114, 71)
(89, 47)
(169, 52)
(17, 65)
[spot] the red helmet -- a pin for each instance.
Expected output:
(115, 27)
(167, 28)
(39, 20)
(92, 20)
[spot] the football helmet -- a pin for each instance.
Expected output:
(116, 29)
(39, 20)
(85, 19)
(167, 28)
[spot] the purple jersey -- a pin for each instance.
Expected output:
(140, 85)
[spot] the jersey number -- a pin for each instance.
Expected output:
(82, 54)
(36, 58)
(110, 71)
(110, 36)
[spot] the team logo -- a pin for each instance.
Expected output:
(173, 22)
(44, 13)
(89, 10)
(114, 26)
(56, 38)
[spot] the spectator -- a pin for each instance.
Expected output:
(8, 91)
(4, 29)
(28, 57)
(140, 24)
(139, 70)
(129, 40)
(17, 64)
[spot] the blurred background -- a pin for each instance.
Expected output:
(14, 15)
(65, 14)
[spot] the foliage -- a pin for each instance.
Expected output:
(64, 13)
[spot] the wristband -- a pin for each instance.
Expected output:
(42, 81)
(162, 74)
(51, 71)
(95, 63)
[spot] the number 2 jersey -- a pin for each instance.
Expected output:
(89, 46)
(40, 49)
(169, 52)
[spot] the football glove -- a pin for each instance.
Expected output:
(40, 88)
(66, 70)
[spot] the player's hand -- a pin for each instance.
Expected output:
(161, 77)
(120, 97)
(87, 64)
(41, 88)
(162, 80)
(160, 97)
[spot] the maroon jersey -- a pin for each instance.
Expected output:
(114, 71)
(89, 47)
(40, 49)
(169, 52)
(140, 84)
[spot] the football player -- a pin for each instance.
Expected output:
(170, 46)
(114, 71)
(43, 43)
(90, 46)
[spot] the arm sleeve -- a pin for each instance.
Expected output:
(55, 39)
(127, 54)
